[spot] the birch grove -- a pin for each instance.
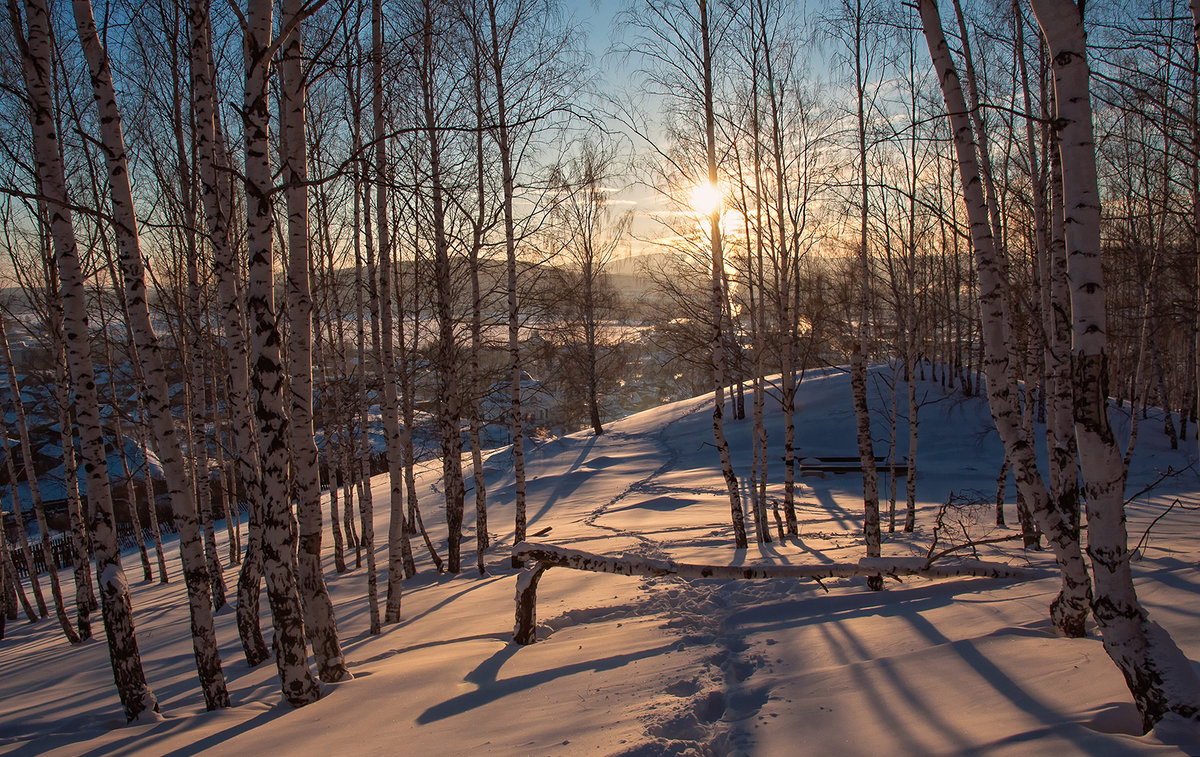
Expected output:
(307, 249)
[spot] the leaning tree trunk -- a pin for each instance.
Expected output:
(279, 528)
(191, 547)
(319, 620)
(137, 699)
(1160, 678)
(1070, 608)
(35, 493)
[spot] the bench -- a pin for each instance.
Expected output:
(545, 556)
(847, 464)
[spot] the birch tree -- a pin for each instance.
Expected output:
(1070, 608)
(279, 527)
(319, 620)
(192, 554)
(137, 698)
(595, 231)
(1159, 677)
(400, 558)
(217, 199)
(35, 494)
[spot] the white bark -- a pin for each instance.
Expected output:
(546, 556)
(516, 420)
(35, 494)
(400, 558)
(85, 597)
(1159, 677)
(279, 528)
(137, 699)
(319, 620)
(363, 448)
(716, 342)
(1070, 609)
(191, 549)
(217, 202)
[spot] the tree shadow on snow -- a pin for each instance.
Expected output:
(491, 688)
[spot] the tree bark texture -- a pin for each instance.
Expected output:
(191, 548)
(319, 620)
(278, 522)
(1070, 608)
(1159, 677)
(137, 699)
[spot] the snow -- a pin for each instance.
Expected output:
(664, 665)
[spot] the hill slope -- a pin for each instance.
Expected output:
(667, 666)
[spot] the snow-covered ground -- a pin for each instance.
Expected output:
(667, 666)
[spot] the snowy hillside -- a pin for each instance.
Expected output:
(651, 666)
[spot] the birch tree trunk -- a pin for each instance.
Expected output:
(477, 234)
(10, 582)
(363, 448)
(319, 620)
(35, 493)
(400, 558)
(279, 528)
(1070, 608)
(191, 548)
(137, 699)
(516, 418)
(858, 357)
(217, 212)
(1060, 439)
(1195, 193)
(148, 487)
(1159, 677)
(716, 340)
(226, 500)
(85, 597)
(783, 293)
(35, 582)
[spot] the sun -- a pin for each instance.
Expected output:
(706, 198)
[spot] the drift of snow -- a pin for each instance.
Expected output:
(666, 665)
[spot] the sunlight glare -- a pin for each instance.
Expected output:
(706, 198)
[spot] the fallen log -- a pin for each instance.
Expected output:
(545, 556)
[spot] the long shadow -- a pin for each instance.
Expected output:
(504, 638)
(818, 609)
(1043, 711)
(170, 728)
(492, 689)
(217, 739)
(897, 726)
(798, 542)
(477, 583)
(566, 484)
(843, 517)
(909, 608)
